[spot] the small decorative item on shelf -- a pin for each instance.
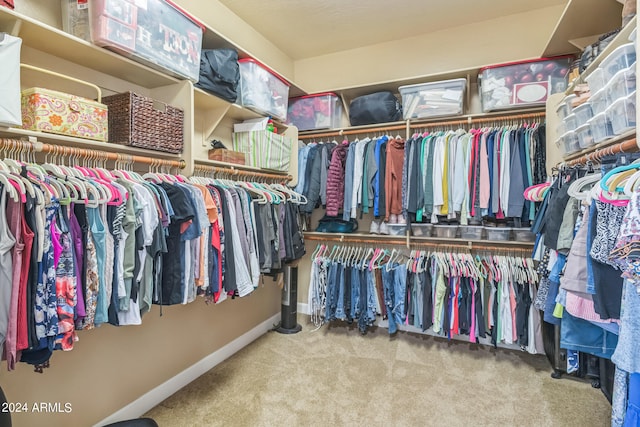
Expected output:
(51, 111)
(157, 33)
(522, 84)
(7, 3)
(312, 112)
(220, 153)
(140, 121)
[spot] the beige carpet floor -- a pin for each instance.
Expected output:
(337, 377)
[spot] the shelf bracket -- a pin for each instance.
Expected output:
(15, 28)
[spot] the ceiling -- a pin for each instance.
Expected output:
(311, 28)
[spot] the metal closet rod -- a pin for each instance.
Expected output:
(628, 146)
(38, 147)
(342, 238)
(239, 172)
(454, 122)
(472, 120)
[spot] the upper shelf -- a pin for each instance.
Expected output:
(621, 38)
(579, 20)
(48, 39)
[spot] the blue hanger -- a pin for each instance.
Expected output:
(605, 178)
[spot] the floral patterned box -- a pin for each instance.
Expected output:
(50, 111)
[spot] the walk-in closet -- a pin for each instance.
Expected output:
(238, 212)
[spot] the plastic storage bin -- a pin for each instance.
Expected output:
(155, 32)
(601, 129)
(519, 84)
(622, 84)
(561, 128)
(568, 101)
(622, 57)
(585, 138)
(571, 143)
(498, 233)
(560, 146)
(422, 230)
(571, 122)
(596, 80)
(583, 113)
(448, 231)
(562, 110)
(471, 232)
(397, 229)
(320, 111)
(599, 102)
(623, 114)
(632, 36)
(75, 18)
(523, 235)
(263, 90)
(443, 98)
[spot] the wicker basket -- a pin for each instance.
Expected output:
(143, 122)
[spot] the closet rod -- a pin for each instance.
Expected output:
(471, 120)
(343, 238)
(353, 131)
(628, 146)
(240, 172)
(453, 122)
(38, 147)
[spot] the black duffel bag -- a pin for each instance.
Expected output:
(379, 107)
(220, 73)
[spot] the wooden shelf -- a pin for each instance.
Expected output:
(89, 144)
(621, 38)
(236, 166)
(53, 41)
(604, 144)
(580, 19)
(206, 101)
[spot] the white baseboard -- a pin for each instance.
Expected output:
(303, 308)
(152, 398)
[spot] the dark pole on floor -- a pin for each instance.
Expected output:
(289, 314)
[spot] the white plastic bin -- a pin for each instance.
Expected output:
(622, 84)
(311, 112)
(623, 114)
(443, 98)
(583, 113)
(601, 129)
(263, 90)
(599, 101)
(622, 57)
(422, 230)
(585, 138)
(596, 80)
(519, 84)
(571, 122)
(471, 232)
(448, 231)
(571, 143)
(498, 233)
